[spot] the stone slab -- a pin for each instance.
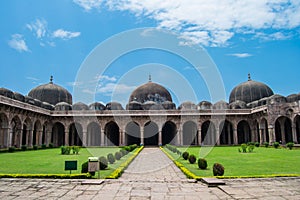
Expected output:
(92, 182)
(212, 182)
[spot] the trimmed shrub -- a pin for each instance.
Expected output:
(256, 144)
(276, 145)
(103, 163)
(23, 147)
(84, 167)
(251, 148)
(218, 169)
(250, 143)
(185, 155)
(65, 150)
(202, 163)
(11, 149)
(35, 147)
(266, 144)
(244, 147)
(290, 145)
(44, 146)
(111, 158)
(76, 149)
(51, 145)
(118, 155)
(192, 159)
(123, 152)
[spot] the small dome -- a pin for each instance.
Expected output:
(250, 91)
(150, 92)
(187, 106)
(238, 105)
(221, 105)
(134, 105)
(37, 102)
(151, 105)
(293, 98)
(62, 106)
(19, 97)
(51, 93)
(114, 106)
(168, 105)
(47, 106)
(252, 104)
(276, 98)
(79, 106)
(97, 106)
(6, 92)
(204, 105)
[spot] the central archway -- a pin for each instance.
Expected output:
(132, 133)
(189, 133)
(112, 134)
(151, 133)
(169, 133)
(244, 132)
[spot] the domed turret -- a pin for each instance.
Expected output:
(150, 92)
(51, 93)
(250, 91)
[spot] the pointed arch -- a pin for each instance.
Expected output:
(169, 133)
(226, 136)
(297, 127)
(36, 136)
(58, 134)
(16, 132)
(244, 132)
(132, 133)
(151, 133)
(75, 134)
(112, 133)
(208, 133)
(93, 134)
(283, 130)
(189, 133)
(4, 134)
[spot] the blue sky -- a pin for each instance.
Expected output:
(43, 38)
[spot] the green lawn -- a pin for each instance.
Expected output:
(50, 161)
(263, 161)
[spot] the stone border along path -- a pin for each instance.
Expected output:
(150, 176)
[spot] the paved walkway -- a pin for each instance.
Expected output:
(150, 176)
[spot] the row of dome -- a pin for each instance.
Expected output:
(150, 105)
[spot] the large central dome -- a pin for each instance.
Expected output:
(150, 92)
(51, 93)
(250, 91)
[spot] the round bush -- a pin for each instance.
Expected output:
(256, 144)
(266, 144)
(11, 149)
(103, 163)
(290, 145)
(202, 163)
(218, 169)
(111, 158)
(192, 159)
(185, 155)
(118, 155)
(35, 147)
(276, 145)
(23, 147)
(123, 152)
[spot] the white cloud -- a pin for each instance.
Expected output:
(39, 27)
(18, 42)
(106, 78)
(240, 55)
(63, 34)
(115, 89)
(211, 22)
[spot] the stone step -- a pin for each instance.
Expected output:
(212, 182)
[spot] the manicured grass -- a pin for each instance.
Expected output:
(263, 161)
(50, 161)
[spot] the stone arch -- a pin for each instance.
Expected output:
(93, 134)
(297, 127)
(264, 131)
(58, 134)
(151, 133)
(243, 132)
(37, 133)
(75, 134)
(226, 130)
(132, 133)
(208, 133)
(16, 127)
(112, 133)
(256, 135)
(26, 131)
(45, 130)
(169, 133)
(189, 132)
(4, 134)
(283, 130)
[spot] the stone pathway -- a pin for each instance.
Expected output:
(150, 176)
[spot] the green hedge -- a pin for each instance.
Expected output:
(55, 176)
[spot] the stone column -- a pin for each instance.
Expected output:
(229, 135)
(84, 136)
(262, 136)
(235, 137)
(159, 138)
(199, 137)
(177, 138)
(282, 133)
(67, 134)
(120, 137)
(217, 135)
(9, 137)
(271, 134)
(102, 137)
(142, 135)
(294, 131)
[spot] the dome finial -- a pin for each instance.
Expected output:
(51, 79)
(249, 77)
(150, 78)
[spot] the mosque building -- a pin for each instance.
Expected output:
(48, 115)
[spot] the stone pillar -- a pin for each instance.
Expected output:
(282, 133)
(84, 136)
(160, 138)
(120, 137)
(40, 141)
(123, 138)
(67, 134)
(229, 135)
(235, 137)
(177, 138)
(102, 137)
(142, 135)
(217, 135)
(271, 134)
(199, 137)
(294, 131)
(30, 138)
(9, 137)
(261, 136)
